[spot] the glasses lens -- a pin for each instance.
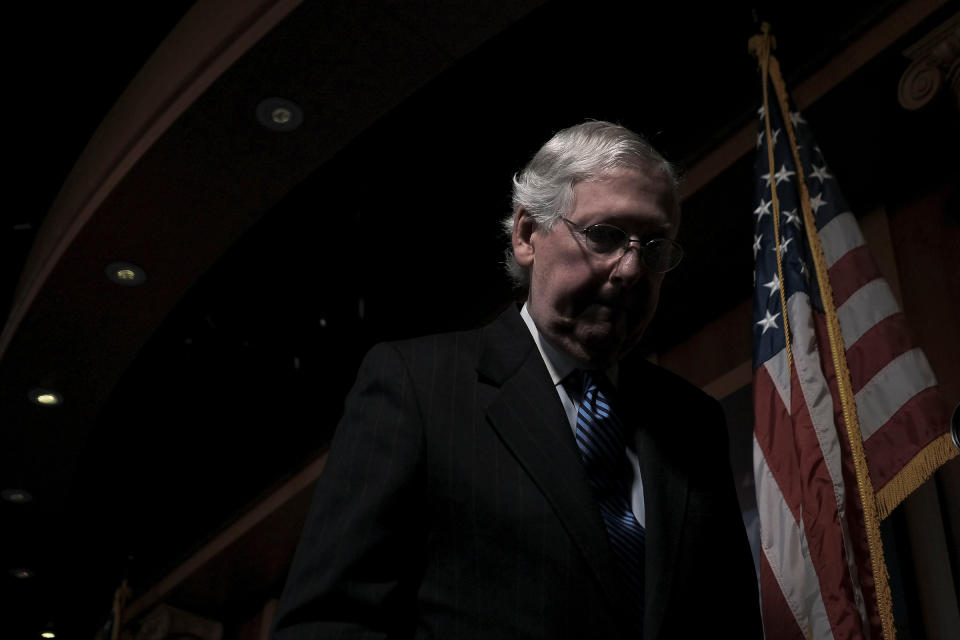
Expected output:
(604, 238)
(662, 255)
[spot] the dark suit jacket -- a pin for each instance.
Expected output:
(454, 505)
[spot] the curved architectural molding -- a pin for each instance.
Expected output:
(209, 39)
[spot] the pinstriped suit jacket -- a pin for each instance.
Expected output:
(454, 505)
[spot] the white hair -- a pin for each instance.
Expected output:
(583, 152)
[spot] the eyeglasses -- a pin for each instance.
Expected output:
(658, 254)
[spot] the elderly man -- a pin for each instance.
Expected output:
(529, 479)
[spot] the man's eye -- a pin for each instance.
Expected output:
(603, 237)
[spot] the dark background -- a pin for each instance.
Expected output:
(391, 230)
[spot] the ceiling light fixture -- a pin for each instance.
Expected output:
(48, 635)
(16, 496)
(126, 274)
(21, 573)
(45, 397)
(279, 114)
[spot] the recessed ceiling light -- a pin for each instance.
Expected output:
(279, 114)
(48, 634)
(17, 496)
(45, 397)
(21, 573)
(126, 274)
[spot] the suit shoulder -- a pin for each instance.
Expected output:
(433, 350)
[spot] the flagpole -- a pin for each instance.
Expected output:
(765, 42)
(120, 597)
(761, 46)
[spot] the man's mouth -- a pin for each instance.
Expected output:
(606, 310)
(625, 305)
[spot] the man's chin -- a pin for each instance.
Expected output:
(602, 346)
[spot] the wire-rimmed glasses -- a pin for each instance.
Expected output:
(657, 254)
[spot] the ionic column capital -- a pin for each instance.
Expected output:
(936, 60)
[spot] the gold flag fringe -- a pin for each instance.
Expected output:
(761, 47)
(915, 473)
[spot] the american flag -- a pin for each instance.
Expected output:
(821, 568)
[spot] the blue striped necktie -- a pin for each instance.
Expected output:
(600, 438)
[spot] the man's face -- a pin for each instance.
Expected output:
(595, 307)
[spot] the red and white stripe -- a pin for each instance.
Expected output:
(815, 569)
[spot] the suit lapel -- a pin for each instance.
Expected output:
(529, 418)
(664, 490)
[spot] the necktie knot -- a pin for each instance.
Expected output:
(596, 409)
(590, 379)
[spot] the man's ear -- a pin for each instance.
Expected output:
(523, 228)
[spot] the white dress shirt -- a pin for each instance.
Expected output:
(560, 365)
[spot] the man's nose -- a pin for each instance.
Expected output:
(629, 266)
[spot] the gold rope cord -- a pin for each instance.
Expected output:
(854, 436)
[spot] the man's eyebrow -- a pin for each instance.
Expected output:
(652, 229)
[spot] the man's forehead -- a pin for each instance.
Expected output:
(653, 181)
